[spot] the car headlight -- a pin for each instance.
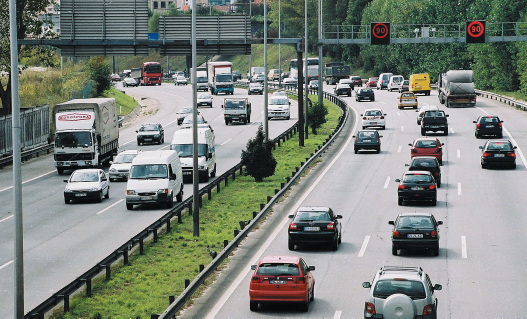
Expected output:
(94, 189)
(163, 191)
(112, 169)
(67, 190)
(204, 166)
(130, 192)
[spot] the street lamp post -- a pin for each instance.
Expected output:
(305, 73)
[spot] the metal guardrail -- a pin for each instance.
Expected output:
(504, 99)
(26, 155)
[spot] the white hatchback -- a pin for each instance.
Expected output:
(279, 107)
(373, 118)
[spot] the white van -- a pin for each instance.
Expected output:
(383, 80)
(182, 143)
(395, 82)
(155, 177)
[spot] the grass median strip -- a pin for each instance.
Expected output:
(143, 287)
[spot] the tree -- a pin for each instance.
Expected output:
(258, 158)
(99, 72)
(28, 23)
(317, 116)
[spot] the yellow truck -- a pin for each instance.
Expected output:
(420, 83)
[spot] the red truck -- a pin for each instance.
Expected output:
(149, 73)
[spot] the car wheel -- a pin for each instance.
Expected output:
(305, 305)
(107, 193)
(476, 134)
(513, 165)
(434, 202)
(383, 127)
(364, 127)
(340, 238)
(170, 202)
(335, 244)
(483, 165)
(439, 184)
(436, 250)
(356, 151)
(373, 99)
(500, 135)
(253, 305)
(313, 293)
(179, 196)
(349, 95)
(226, 122)
(249, 93)
(66, 201)
(423, 132)
(213, 173)
(445, 132)
(99, 199)
(400, 201)
(60, 170)
(378, 150)
(394, 250)
(112, 179)
(129, 206)
(290, 245)
(138, 143)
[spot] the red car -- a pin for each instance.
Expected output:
(356, 80)
(282, 279)
(372, 82)
(427, 146)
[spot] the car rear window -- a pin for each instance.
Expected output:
(355, 78)
(424, 162)
(416, 178)
(426, 144)
(278, 269)
(373, 113)
(408, 95)
(411, 288)
(415, 222)
(434, 113)
(499, 146)
(366, 90)
(312, 216)
(489, 120)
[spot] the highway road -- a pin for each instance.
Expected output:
(63, 241)
(481, 262)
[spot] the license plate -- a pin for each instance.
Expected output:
(278, 282)
(489, 126)
(373, 122)
(146, 198)
(434, 126)
(417, 188)
(148, 139)
(499, 155)
(415, 235)
(81, 195)
(367, 141)
(311, 228)
(74, 164)
(462, 100)
(187, 173)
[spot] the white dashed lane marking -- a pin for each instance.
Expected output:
(364, 245)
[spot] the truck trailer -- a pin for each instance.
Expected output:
(86, 133)
(220, 78)
(456, 88)
(336, 72)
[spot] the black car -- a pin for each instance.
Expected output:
(417, 186)
(488, 125)
(255, 88)
(183, 113)
(312, 225)
(150, 133)
(364, 94)
(342, 89)
(427, 163)
(236, 75)
(415, 230)
(498, 152)
(367, 140)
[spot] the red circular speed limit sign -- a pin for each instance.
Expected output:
(475, 29)
(380, 30)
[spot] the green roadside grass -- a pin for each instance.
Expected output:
(125, 103)
(143, 287)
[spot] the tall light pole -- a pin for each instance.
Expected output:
(320, 80)
(266, 124)
(279, 47)
(306, 74)
(195, 173)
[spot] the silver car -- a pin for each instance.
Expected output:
(86, 184)
(120, 166)
(401, 292)
(204, 99)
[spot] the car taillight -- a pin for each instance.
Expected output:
(434, 233)
(364, 117)
(500, 124)
(428, 310)
(292, 226)
(395, 234)
(438, 150)
(479, 125)
(300, 280)
(433, 186)
(413, 150)
(511, 154)
(485, 154)
(256, 279)
(356, 139)
(331, 226)
(370, 308)
(474, 99)
(401, 186)
(382, 117)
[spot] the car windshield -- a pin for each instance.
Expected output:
(355, 78)
(279, 101)
(234, 104)
(204, 96)
(278, 269)
(255, 85)
(149, 127)
(417, 178)
(73, 139)
(426, 144)
(413, 289)
(148, 171)
(312, 216)
(373, 113)
(185, 110)
(415, 222)
(223, 78)
(186, 150)
(343, 86)
(424, 162)
(499, 146)
(188, 120)
(84, 177)
(124, 158)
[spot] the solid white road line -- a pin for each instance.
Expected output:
(399, 149)
(112, 205)
(7, 264)
(6, 218)
(29, 180)
(452, 130)
(402, 128)
(398, 113)
(238, 280)
(225, 142)
(458, 154)
(337, 315)
(387, 181)
(364, 245)
(459, 188)
(517, 146)
(463, 247)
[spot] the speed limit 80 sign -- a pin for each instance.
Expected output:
(380, 33)
(475, 32)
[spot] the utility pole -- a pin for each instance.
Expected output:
(320, 78)
(266, 123)
(195, 173)
(306, 64)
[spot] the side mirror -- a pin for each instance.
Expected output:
(473, 121)
(353, 136)
(253, 267)
(209, 155)
(172, 177)
(380, 135)
(366, 284)
(391, 222)
(222, 106)
(514, 147)
(501, 121)
(406, 164)
(439, 222)
(409, 144)
(311, 268)
(438, 287)
(446, 115)
(338, 217)
(290, 216)
(398, 180)
(65, 180)
(481, 147)
(137, 131)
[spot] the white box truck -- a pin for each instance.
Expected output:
(220, 78)
(86, 133)
(182, 142)
(202, 81)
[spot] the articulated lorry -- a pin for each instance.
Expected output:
(202, 81)
(220, 78)
(456, 88)
(336, 72)
(148, 74)
(86, 133)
